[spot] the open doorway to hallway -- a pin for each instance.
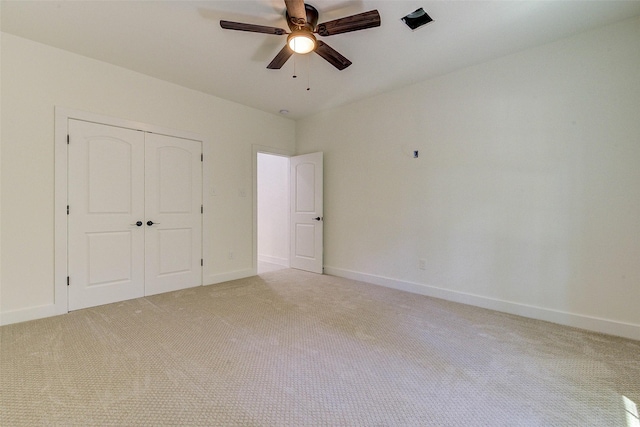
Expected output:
(272, 212)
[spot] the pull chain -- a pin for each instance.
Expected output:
(308, 72)
(294, 67)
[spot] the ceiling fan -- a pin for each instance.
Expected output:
(302, 20)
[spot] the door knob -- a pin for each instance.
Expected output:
(139, 223)
(317, 218)
(150, 223)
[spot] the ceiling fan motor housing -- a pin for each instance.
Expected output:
(311, 20)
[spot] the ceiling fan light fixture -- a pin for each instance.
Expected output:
(301, 41)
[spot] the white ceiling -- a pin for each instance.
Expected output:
(182, 42)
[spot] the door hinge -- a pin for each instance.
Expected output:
(201, 262)
(67, 209)
(67, 280)
(201, 157)
(201, 209)
(67, 139)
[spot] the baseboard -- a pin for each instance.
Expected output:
(273, 260)
(30, 313)
(232, 275)
(606, 326)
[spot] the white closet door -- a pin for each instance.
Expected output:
(106, 200)
(173, 224)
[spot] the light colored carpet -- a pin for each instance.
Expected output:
(266, 267)
(289, 348)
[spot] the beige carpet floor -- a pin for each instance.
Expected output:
(289, 348)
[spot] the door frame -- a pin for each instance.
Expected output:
(274, 152)
(62, 116)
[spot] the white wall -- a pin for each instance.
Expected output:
(526, 194)
(0, 162)
(35, 78)
(273, 209)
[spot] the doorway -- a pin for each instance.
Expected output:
(273, 195)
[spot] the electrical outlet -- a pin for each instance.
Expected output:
(422, 264)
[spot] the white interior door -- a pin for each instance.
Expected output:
(307, 212)
(135, 221)
(173, 225)
(106, 200)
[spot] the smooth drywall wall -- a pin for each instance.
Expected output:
(526, 192)
(35, 79)
(273, 209)
(0, 158)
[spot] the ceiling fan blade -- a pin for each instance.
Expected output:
(350, 23)
(332, 56)
(240, 26)
(282, 57)
(296, 11)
